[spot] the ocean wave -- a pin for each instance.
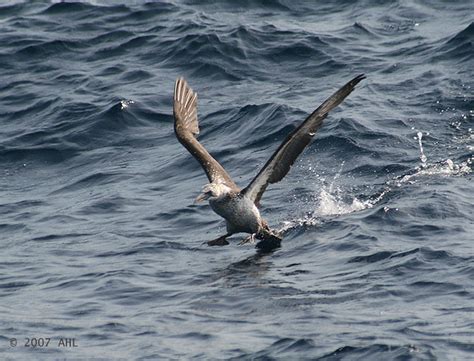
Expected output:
(98, 220)
(375, 351)
(458, 47)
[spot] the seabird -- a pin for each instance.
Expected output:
(240, 207)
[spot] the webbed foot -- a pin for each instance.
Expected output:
(268, 241)
(221, 241)
(250, 239)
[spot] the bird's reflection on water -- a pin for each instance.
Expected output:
(248, 271)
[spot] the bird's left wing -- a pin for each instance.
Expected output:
(281, 161)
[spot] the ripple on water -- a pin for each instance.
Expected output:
(101, 240)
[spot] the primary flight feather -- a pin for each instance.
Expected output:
(239, 207)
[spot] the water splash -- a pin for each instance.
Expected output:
(334, 204)
(443, 168)
(337, 175)
(125, 103)
(308, 220)
(447, 168)
(333, 201)
(422, 153)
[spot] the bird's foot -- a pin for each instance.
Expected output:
(221, 241)
(268, 241)
(250, 239)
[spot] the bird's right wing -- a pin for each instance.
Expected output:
(281, 161)
(186, 127)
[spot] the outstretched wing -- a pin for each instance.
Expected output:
(281, 161)
(186, 126)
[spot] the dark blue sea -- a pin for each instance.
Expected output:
(102, 254)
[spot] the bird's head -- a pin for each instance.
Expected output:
(213, 191)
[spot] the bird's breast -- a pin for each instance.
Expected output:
(239, 211)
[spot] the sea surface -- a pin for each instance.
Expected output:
(102, 244)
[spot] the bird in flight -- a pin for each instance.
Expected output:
(239, 207)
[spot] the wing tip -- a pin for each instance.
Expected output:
(182, 90)
(185, 107)
(357, 79)
(179, 88)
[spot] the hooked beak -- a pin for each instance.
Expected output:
(202, 197)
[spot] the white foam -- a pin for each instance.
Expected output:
(443, 168)
(308, 220)
(125, 103)
(333, 204)
(448, 168)
(331, 200)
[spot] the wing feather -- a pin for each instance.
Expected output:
(186, 127)
(281, 161)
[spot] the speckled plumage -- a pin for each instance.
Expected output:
(239, 207)
(239, 211)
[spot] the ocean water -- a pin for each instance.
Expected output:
(101, 242)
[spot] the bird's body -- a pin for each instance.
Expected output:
(239, 207)
(240, 213)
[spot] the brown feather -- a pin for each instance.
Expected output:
(186, 126)
(281, 161)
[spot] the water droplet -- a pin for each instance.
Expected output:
(125, 103)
